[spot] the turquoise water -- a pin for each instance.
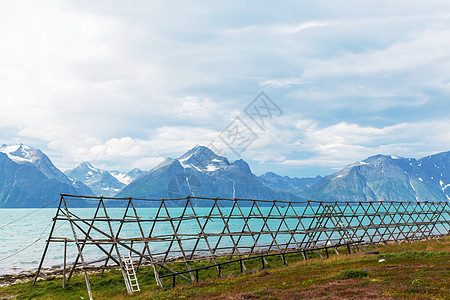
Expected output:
(20, 236)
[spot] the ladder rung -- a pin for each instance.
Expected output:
(131, 274)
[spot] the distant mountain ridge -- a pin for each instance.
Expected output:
(29, 179)
(201, 172)
(383, 177)
(101, 182)
(285, 183)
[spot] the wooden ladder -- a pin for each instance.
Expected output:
(131, 273)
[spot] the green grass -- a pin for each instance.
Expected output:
(347, 274)
(410, 271)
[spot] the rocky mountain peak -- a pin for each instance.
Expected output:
(203, 159)
(21, 153)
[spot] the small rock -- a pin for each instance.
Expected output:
(382, 260)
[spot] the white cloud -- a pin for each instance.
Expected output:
(142, 153)
(302, 26)
(125, 84)
(286, 82)
(419, 50)
(341, 144)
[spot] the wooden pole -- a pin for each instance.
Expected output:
(65, 260)
(48, 241)
(119, 257)
(86, 277)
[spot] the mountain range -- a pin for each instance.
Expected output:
(384, 177)
(200, 172)
(28, 178)
(101, 182)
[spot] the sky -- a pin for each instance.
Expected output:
(300, 88)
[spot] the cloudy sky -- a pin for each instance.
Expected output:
(124, 84)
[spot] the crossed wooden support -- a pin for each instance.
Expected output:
(181, 231)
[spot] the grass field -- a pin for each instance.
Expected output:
(420, 270)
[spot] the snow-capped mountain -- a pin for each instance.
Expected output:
(383, 177)
(435, 171)
(24, 154)
(29, 179)
(201, 172)
(102, 182)
(203, 159)
(127, 178)
(20, 153)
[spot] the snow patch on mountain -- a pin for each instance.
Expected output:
(192, 166)
(414, 189)
(92, 168)
(20, 153)
(122, 177)
(202, 159)
(211, 168)
(110, 189)
(443, 186)
(183, 160)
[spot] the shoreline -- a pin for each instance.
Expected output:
(404, 271)
(25, 276)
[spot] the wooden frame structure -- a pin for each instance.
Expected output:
(160, 232)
